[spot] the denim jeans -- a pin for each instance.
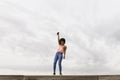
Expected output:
(58, 57)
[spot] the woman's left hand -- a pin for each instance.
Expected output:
(63, 57)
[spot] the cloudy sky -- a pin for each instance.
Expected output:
(28, 40)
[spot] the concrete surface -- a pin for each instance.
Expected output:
(64, 77)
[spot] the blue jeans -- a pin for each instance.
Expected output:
(58, 57)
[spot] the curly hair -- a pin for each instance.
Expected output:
(62, 39)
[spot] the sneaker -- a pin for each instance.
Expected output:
(61, 74)
(54, 74)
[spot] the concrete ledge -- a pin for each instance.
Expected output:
(11, 77)
(64, 77)
(109, 77)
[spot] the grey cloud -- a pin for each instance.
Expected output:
(29, 42)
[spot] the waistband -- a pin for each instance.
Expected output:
(59, 53)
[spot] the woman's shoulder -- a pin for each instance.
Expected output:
(65, 46)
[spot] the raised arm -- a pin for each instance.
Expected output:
(58, 37)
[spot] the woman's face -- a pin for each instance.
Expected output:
(62, 43)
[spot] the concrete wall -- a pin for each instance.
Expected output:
(67, 77)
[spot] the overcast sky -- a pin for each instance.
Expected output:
(28, 40)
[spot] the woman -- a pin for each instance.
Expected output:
(60, 54)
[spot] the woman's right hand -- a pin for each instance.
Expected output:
(57, 33)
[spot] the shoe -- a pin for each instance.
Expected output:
(54, 74)
(61, 74)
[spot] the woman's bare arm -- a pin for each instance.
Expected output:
(58, 37)
(65, 48)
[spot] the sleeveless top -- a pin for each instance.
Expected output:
(61, 49)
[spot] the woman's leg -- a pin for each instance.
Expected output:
(60, 61)
(54, 64)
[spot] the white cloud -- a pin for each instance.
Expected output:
(28, 36)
